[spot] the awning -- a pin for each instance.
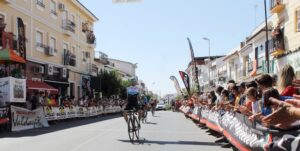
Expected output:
(40, 86)
(9, 55)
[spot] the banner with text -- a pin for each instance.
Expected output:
(23, 119)
(247, 135)
(59, 113)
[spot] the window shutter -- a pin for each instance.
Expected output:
(298, 20)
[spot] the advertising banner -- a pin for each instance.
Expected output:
(23, 119)
(59, 113)
(246, 135)
(12, 90)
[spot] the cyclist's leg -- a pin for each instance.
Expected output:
(125, 113)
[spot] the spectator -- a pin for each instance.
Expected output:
(242, 88)
(252, 103)
(285, 82)
(35, 100)
(251, 84)
(236, 93)
(264, 83)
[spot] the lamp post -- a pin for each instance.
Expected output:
(267, 42)
(204, 38)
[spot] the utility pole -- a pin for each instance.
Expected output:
(267, 37)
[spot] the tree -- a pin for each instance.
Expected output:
(110, 83)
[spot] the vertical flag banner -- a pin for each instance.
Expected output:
(186, 80)
(195, 69)
(176, 84)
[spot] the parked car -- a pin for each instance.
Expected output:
(161, 106)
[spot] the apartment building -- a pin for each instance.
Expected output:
(286, 32)
(60, 42)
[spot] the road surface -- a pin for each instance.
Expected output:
(167, 131)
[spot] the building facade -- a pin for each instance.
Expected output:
(59, 39)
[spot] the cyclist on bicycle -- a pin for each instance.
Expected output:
(145, 102)
(133, 97)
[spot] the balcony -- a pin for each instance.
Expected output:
(91, 39)
(276, 6)
(69, 58)
(68, 27)
(9, 40)
(276, 45)
(102, 58)
(93, 69)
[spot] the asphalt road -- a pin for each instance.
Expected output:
(167, 131)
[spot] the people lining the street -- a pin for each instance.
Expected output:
(268, 99)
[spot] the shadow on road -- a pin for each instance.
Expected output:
(59, 125)
(174, 142)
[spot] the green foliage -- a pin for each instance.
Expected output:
(112, 84)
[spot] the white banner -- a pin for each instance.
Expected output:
(58, 113)
(12, 90)
(23, 119)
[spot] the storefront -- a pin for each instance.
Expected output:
(58, 78)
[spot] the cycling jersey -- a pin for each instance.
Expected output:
(132, 98)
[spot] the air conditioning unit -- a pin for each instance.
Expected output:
(51, 52)
(50, 69)
(41, 69)
(61, 7)
(64, 73)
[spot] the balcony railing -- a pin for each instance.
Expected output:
(69, 58)
(276, 6)
(40, 3)
(53, 12)
(68, 25)
(90, 37)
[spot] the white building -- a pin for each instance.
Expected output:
(125, 69)
(233, 64)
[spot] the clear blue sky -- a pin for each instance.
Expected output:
(153, 33)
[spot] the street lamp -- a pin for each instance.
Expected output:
(204, 38)
(267, 42)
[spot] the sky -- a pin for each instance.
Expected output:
(153, 33)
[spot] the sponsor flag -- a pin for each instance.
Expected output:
(186, 80)
(176, 84)
(195, 69)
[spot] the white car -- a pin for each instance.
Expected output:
(161, 106)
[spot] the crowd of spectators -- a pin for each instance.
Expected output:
(272, 100)
(42, 98)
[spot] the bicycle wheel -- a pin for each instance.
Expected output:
(145, 116)
(131, 129)
(137, 128)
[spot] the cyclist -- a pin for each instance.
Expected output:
(133, 97)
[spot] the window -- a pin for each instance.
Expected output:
(39, 39)
(53, 43)
(40, 3)
(53, 7)
(298, 20)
